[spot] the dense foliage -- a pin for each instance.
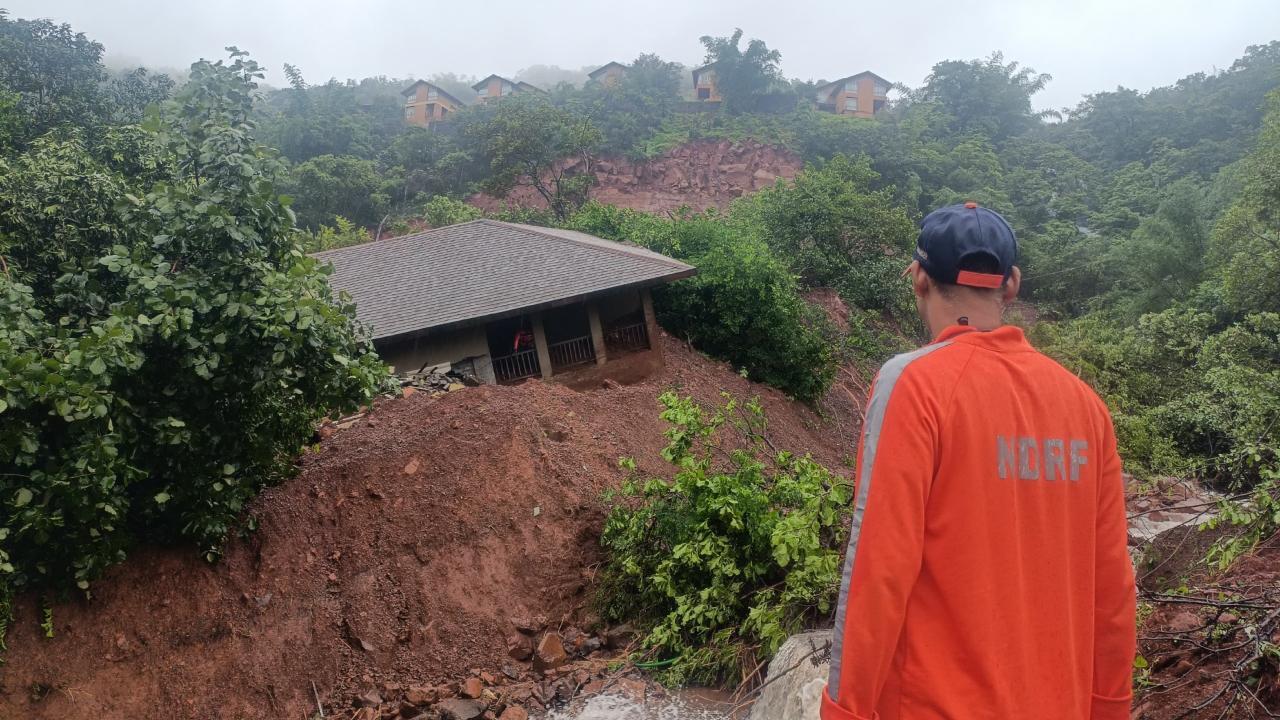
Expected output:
(165, 346)
(733, 553)
(744, 305)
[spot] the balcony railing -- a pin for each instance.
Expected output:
(516, 366)
(568, 353)
(627, 337)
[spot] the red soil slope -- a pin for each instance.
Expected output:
(397, 555)
(700, 175)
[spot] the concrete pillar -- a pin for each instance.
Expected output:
(650, 322)
(597, 332)
(540, 344)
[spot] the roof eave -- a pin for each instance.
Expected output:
(538, 307)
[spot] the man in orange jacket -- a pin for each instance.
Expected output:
(987, 573)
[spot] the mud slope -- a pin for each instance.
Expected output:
(396, 555)
(700, 175)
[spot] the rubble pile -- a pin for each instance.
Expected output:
(546, 669)
(439, 379)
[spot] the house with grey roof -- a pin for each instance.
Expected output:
(504, 300)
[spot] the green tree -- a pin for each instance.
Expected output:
(743, 77)
(165, 346)
(1246, 240)
(329, 186)
(835, 231)
(985, 96)
(632, 109)
(526, 140)
(55, 72)
(1164, 260)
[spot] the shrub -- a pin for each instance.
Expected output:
(442, 210)
(168, 355)
(743, 306)
(734, 553)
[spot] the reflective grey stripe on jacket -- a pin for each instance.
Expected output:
(874, 422)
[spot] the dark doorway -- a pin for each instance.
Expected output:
(512, 350)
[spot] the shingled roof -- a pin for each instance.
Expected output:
(485, 270)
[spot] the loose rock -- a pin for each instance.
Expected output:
(458, 709)
(550, 654)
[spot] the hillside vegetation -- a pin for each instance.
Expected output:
(166, 345)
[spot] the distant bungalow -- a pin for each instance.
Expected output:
(862, 95)
(426, 103)
(496, 86)
(608, 74)
(704, 83)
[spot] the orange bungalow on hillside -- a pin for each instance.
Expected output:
(608, 74)
(862, 95)
(496, 86)
(426, 103)
(704, 84)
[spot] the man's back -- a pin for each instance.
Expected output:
(987, 574)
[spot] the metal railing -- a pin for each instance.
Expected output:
(627, 337)
(516, 366)
(568, 353)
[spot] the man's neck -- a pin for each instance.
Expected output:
(984, 316)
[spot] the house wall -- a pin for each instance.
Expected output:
(706, 79)
(611, 76)
(856, 97)
(422, 110)
(410, 355)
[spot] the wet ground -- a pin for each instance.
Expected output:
(693, 704)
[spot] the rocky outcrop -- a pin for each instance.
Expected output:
(698, 175)
(795, 679)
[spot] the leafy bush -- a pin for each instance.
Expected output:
(734, 553)
(165, 345)
(343, 233)
(743, 306)
(442, 210)
(835, 231)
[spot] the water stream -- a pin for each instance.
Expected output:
(681, 705)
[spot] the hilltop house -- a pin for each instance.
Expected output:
(426, 103)
(503, 300)
(861, 95)
(496, 86)
(704, 84)
(608, 74)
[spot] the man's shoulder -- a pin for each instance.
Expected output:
(939, 366)
(937, 363)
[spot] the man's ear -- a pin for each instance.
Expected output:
(1010, 291)
(921, 283)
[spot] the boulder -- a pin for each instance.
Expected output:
(550, 654)
(800, 669)
(472, 688)
(458, 709)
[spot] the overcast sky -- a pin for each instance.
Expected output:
(1087, 45)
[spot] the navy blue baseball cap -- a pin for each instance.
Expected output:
(953, 233)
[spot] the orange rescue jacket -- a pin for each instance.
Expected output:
(987, 574)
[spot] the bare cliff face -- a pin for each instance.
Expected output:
(699, 175)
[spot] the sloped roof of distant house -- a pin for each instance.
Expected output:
(605, 68)
(410, 90)
(484, 270)
(697, 70)
(854, 77)
(522, 85)
(480, 85)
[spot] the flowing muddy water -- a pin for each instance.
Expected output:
(679, 705)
